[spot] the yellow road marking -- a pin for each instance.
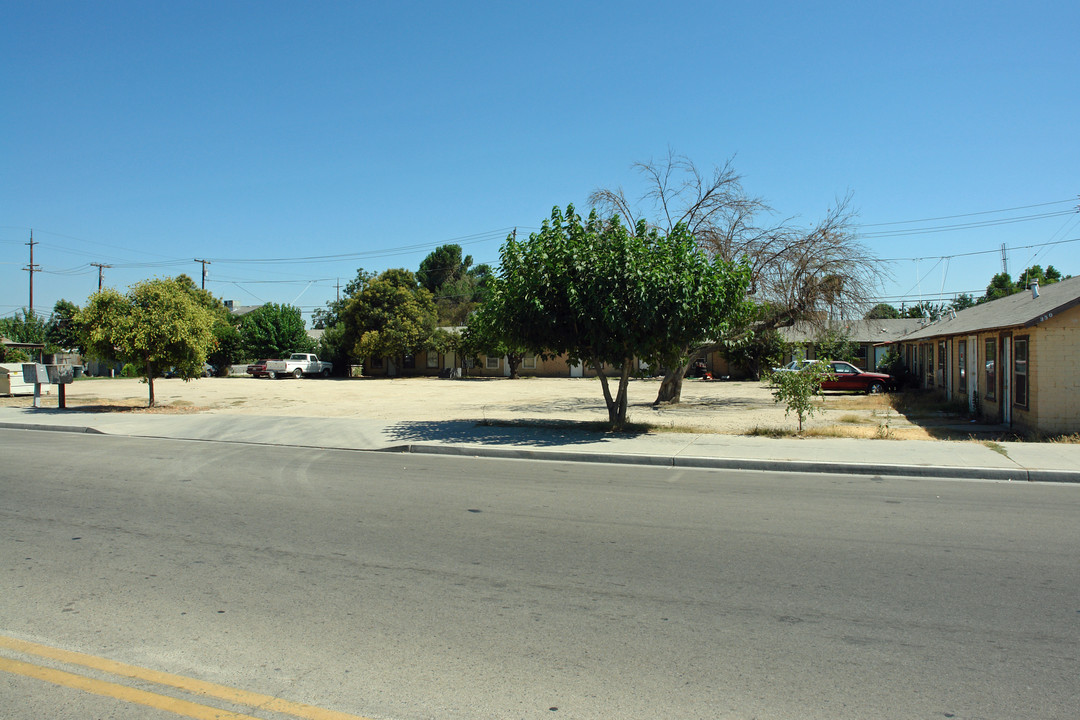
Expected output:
(120, 692)
(180, 682)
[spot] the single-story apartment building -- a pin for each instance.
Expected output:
(870, 338)
(1012, 360)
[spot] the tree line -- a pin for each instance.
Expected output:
(691, 264)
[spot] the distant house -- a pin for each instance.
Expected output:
(1012, 360)
(871, 338)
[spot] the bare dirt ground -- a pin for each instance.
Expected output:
(712, 407)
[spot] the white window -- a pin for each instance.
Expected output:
(529, 362)
(491, 363)
(432, 359)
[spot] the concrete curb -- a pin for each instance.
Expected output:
(1017, 474)
(54, 428)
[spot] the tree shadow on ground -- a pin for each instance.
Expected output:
(525, 433)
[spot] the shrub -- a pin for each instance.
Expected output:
(797, 389)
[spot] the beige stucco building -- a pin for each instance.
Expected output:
(1012, 361)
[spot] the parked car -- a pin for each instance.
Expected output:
(845, 376)
(794, 366)
(848, 377)
(257, 368)
(298, 365)
(207, 371)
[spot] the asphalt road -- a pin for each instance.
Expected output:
(393, 586)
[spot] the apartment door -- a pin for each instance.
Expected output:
(1006, 379)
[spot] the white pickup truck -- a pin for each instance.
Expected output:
(298, 365)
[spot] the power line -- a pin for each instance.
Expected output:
(984, 212)
(980, 252)
(966, 226)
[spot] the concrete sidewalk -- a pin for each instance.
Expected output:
(1004, 461)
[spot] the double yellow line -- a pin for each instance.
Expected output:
(256, 701)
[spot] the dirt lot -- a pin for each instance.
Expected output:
(719, 407)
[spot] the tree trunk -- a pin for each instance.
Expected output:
(671, 386)
(513, 360)
(616, 406)
(150, 381)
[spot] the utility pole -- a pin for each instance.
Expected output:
(204, 264)
(100, 273)
(338, 286)
(33, 269)
(1004, 260)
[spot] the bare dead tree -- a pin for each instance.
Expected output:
(818, 273)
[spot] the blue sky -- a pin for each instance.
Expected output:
(146, 134)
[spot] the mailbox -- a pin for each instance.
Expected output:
(35, 373)
(60, 374)
(48, 374)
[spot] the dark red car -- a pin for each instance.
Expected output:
(849, 377)
(257, 368)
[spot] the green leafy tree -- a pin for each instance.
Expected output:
(605, 295)
(798, 273)
(482, 336)
(892, 362)
(444, 264)
(13, 355)
(832, 344)
(228, 346)
(391, 317)
(1001, 285)
(62, 331)
(883, 311)
(1035, 273)
(333, 349)
(797, 389)
(925, 309)
(274, 331)
(756, 351)
(25, 326)
(155, 326)
(455, 284)
(962, 302)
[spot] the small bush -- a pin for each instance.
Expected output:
(797, 389)
(129, 371)
(14, 355)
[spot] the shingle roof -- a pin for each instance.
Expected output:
(861, 331)
(1019, 310)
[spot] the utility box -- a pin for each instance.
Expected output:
(35, 373)
(12, 383)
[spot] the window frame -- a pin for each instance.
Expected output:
(990, 375)
(1017, 374)
(489, 366)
